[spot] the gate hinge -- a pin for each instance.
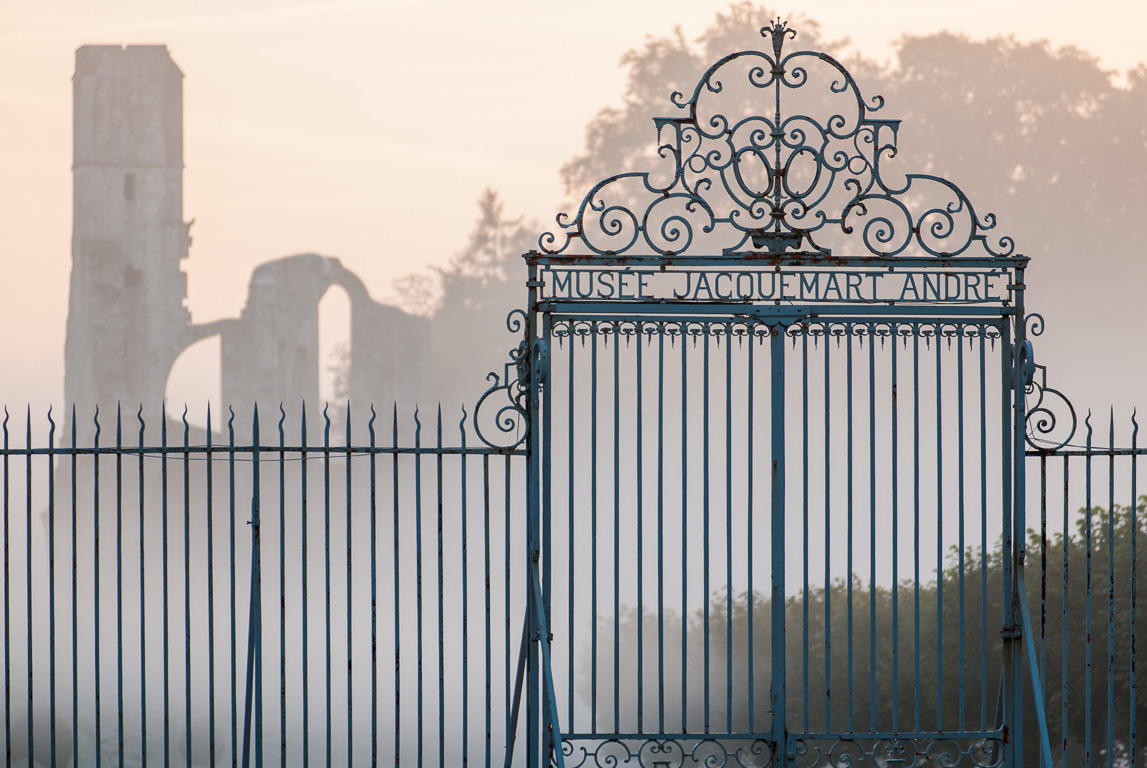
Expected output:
(542, 359)
(1025, 361)
(1011, 633)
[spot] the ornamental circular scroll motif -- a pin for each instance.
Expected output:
(776, 153)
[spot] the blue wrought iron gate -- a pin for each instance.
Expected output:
(774, 397)
(712, 477)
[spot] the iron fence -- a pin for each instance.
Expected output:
(1086, 519)
(198, 597)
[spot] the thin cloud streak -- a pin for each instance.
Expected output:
(237, 22)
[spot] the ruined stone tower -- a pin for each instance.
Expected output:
(127, 321)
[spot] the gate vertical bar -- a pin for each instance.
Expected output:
(441, 619)
(940, 538)
(827, 541)
(570, 520)
(749, 529)
(593, 525)
(304, 631)
(777, 683)
(616, 528)
(52, 588)
(282, 585)
(660, 533)
(1010, 668)
(685, 529)
(1134, 565)
(210, 592)
(1111, 589)
(705, 601)
(186, 584)
(1064, 692)
(638, 471)
(804, 536)
(960, 513)
(96, 583)
(349, 597)
(640, 539)
(894, 491)
(1018, 381)
(1018, 434)
(231, 580)
(7, 599)
(374, 595)
(254, 689)
(327, 574)
(118, 577)
(849, 483)
(533, 500)
(547, 702)
(394, 478)
(28, 579)
(75, 623)
(728, 527)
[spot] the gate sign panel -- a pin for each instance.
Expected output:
(803, 286)
(774, 385)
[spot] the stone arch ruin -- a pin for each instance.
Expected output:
(127, 319)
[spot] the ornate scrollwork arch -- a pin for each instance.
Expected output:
(805, 178)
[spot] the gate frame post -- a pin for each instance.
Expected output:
(533, 541)
(1017, 373)
(253, 699)
(1014, 357)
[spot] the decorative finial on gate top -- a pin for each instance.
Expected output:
(778, 30)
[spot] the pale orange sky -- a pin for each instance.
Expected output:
(366, 129)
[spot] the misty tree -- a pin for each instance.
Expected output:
(418, 293)
(1041, 135)
(467, 301)
(1004, 119)
(959, 671)
(621, 139)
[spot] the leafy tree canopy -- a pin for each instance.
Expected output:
(1040, 134)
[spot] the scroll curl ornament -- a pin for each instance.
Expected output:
(748, 176)
(653, 751)
(501, 415)
(950, 752)
(1050, 421)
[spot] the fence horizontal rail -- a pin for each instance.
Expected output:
(313, 452)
